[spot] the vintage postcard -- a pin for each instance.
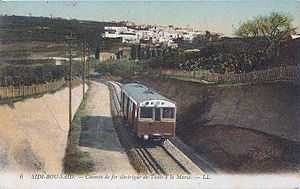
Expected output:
(149, 94)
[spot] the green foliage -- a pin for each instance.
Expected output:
(97, 52)
(28, 75)
(171, 60)
(133, 52)
(256, 49)
(121, 67)
(75, 160)
(233, 56)
(274, 28)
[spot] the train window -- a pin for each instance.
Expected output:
(168, 113)
(146, 112)
(125, 100)
(157, 114)
(130, 105)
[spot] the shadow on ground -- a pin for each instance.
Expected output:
(98, 132)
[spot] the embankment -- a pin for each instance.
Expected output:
(241, 128)
(33, 132)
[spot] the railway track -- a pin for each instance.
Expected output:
(176, 160)
(151, 156)
(152, 165)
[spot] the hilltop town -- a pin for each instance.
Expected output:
(150, 41)
(169, 36)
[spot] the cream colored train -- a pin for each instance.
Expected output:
(149, 114)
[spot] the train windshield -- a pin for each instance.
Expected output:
(146, 112)
(168, 113)
(157, 114)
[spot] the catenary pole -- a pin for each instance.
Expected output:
(83, 68)
(70, 39)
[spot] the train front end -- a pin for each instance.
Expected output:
(156, 119)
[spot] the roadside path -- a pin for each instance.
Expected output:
(98, 136)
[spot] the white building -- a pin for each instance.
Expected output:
(58, 60)
(166, 35)
(295, 36)
(127, 35)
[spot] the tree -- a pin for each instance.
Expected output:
(133, 52)
(139, 52)
(153, 53)
(274, 28)
(148, 54)
(97, 52)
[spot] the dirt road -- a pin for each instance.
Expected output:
(98, 137)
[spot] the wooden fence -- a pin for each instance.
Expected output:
(291, 73)
(18, 91)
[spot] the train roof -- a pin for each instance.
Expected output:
(141, 93)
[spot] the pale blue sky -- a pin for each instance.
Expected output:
(216, 16)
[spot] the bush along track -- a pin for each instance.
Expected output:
(76, 161)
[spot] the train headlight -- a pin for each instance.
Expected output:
(146, 137)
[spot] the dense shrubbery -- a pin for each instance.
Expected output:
(171, 60)
(123, 67)
(230, 55)
(28, 75)
(226, 58)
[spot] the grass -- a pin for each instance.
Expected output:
(76, 161)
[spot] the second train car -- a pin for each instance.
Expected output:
(149, 114)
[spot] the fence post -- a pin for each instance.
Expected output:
(28, 89)
(13, 91)
(6, 91)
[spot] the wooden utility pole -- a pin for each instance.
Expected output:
(89, 66)
(83, 68)
(70, 39)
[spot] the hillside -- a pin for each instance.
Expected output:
(52, 30)
(31, 40)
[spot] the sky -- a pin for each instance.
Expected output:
(216, 16)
